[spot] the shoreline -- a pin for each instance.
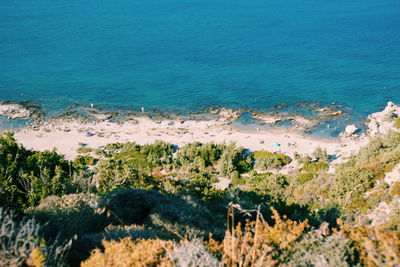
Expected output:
(68, 133)
(68, 136)
(311, 118)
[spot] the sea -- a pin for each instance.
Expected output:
(184, 55)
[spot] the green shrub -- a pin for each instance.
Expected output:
(265, 160)
(350, 183)
(305, 177)
(27, 176)
(233, 159)
(112, 174)
(315, 167)
(21, 244)
(320, 155)
(319, 248)
(197, 156)
(82, 162)
(176, 216)
(69, 215)
(196, 184)
(84, 150)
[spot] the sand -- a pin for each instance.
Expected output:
(66, 137)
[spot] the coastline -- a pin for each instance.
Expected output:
(68, 136)
(69, 132)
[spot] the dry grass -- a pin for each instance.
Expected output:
(258, 244)
(129, 253)
(377, 247)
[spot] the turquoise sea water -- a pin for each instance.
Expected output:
(186, 54)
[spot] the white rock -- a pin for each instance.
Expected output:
(380, 123)
(14, 111)
(350, 129)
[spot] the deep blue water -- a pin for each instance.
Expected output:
(186, 54)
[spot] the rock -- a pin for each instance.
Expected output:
(101, 116)
(380, 123)
(349, 131)
(14, 111)
(226, 114)
(266, 118)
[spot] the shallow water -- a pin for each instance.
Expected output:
(182, 55)
(7, 125)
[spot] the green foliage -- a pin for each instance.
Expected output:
(315, 167)
(197, 184)
(27, 176)
(82, 162)
(198, 157)
(112, 174)
(305, 177)
(21, 243)
(233, 159)
(143, 158)
(350, 183)
(321, 248)
(147, 191)
(265, 160)
(320, 155)
(176, 216)
(84, 150)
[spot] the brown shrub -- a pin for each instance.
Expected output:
(377, 247)
(258, 244)
(129, 253)
(395, 189)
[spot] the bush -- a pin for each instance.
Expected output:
(350, 183)
(315, 167)
(395, 189)
(192, 253)
(82, 162)
(112, 174)
(84, 150)
(321, 248)
(142, 158)
(70, 215)
(196, 184)
(21, 244)
(265, 160)
(179, 217)
(197, 156)
(233, 159)
(320, 155)
(302, 178)
(27, 176)
(376, 246)
(131, 253)
(258, 243)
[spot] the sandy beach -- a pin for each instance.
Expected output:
(67, 137)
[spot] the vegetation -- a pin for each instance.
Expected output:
(140, 205)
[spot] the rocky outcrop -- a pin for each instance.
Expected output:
(330, 111)
(381, 213)
(226, 114)
(393, 176)
(15, 111)
(350, 131)
(380, 123)
(266, 118)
